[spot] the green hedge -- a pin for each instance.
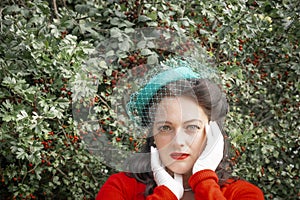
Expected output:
(46, 44)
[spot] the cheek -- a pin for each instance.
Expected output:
(198, 144)
(162, 141)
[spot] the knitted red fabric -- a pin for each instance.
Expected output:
(204, 184)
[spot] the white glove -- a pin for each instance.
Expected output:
(212, 155)
(162, 177)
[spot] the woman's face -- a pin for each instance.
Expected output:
(179, 132)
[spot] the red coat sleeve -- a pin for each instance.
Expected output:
(205, 186)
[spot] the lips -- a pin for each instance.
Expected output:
(179, 156)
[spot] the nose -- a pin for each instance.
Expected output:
(180, 138)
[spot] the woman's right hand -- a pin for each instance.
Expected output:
(162, 177)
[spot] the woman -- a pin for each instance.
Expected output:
(185, 156)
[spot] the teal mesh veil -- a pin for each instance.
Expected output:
(170, 71)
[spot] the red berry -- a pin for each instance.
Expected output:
(241, 47)
(286, 73)
(131, 58)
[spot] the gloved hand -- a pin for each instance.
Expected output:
(162, 177)
(212, 155)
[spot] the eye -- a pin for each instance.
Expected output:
(164, 129)
(193, 128)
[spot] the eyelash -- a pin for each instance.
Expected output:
(160, 129)
(191, 128)
(194, 127)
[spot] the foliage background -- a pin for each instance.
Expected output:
(43, 45)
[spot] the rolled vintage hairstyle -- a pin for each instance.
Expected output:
(211, 99)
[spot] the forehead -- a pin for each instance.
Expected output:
(178, 108)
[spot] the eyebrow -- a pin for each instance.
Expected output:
(162, 122)
(186, 122)
(193, 120)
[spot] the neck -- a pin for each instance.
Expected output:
(185, 178)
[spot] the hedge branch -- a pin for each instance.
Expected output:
(55, 9)
(88, 170)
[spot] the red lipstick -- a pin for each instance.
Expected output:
(179, 156)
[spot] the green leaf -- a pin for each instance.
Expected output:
(124, 46)
(141, 44)
(152, 59)
(146, 52)
(153, 15)
(56, 180)
(143, 18)
(21, 154)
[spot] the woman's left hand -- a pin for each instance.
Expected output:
(212, 155)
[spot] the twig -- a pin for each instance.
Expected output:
(105, 103)
(87, 169)
(1, 30)
(274, 63)
(266, 118)
(60, 171)
(90, 193)
(55, 9)
(64, 132)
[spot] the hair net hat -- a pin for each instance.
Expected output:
(177, 69)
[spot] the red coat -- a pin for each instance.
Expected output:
(204, 184)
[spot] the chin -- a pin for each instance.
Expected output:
(180, 168)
